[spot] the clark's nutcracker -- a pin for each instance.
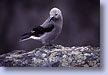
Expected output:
(49, 30)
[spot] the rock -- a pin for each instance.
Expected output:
(53, 56)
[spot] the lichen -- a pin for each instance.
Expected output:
(53, 56)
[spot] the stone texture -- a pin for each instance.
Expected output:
(53, 56)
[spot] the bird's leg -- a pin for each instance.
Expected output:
(49, 44)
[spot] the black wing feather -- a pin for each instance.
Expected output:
(38, 31)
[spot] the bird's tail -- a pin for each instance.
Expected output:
(25, 37)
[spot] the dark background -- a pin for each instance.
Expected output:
(81, 22)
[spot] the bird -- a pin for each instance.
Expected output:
(48, 31)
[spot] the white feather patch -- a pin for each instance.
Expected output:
(35, 38)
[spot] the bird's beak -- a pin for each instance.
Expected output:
(51, 18)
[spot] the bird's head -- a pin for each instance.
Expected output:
(55, 13)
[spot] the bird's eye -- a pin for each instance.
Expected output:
(55, 14)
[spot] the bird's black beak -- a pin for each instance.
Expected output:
(51, 19)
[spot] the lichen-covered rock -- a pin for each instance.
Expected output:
(53, 56)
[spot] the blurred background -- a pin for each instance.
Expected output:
(81, 22)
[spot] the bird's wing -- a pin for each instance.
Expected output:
(38, 31)
(25, 37)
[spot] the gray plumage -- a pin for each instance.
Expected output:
(49, 30)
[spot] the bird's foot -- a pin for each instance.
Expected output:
(50, 46)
